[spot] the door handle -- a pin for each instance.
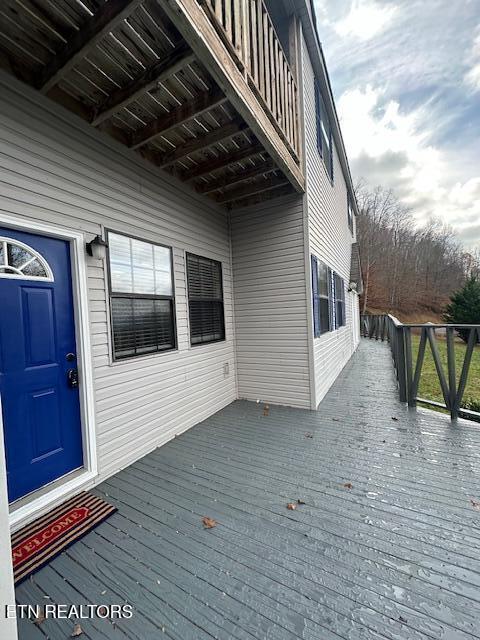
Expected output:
(72, 378)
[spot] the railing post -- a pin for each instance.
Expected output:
(401, 364)
(452, 374)
(407, 334)
(245, 30)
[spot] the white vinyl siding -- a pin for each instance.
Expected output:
(329, 239)
(270, 302)
(55, 168)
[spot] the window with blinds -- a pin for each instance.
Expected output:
(205, 300)
(142, 303)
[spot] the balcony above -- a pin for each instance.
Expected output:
(203, 90)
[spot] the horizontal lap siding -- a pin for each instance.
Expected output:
(329, 238)
(56, 169)
(270, 303)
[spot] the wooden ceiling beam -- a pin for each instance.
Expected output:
(195, 26)
(264, 196)
(252, 189)
(185, 112)
(105, 20)
(202, 142)
(179, 58)
(221, 162)
(232, 179)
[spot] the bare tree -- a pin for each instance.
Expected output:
(407, 268)
(379, 212)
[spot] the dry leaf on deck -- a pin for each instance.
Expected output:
(348, 485)
(292, 506)
(266, 410)
(77, 631)
(209, 523)
(40, 618)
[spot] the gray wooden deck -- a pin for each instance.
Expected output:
(394, 556)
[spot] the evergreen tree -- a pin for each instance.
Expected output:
(464, 307)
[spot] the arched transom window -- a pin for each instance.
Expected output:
(18, 260)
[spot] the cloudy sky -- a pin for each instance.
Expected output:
(406, 78)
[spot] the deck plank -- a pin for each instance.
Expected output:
(395, 556)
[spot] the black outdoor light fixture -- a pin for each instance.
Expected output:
(97, 248)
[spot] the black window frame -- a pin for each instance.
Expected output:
(324, 130)
(217, 301)
(115, 295)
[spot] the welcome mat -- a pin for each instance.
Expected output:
(40, 541)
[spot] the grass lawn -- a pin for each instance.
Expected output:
(429, 384)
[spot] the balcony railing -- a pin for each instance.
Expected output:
(248, 32)
(409, 365)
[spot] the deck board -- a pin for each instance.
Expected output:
(393, 556)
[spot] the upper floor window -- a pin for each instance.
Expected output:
(141, 297)
(350, 214)
(324, 131)
(205, 300)
(18, 260)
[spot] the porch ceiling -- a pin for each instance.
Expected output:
(124, 67)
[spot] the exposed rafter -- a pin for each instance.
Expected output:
(109, 16)
(195, 26)
(258, 198)
(236, 178)
(202, 142)
(160, 71)
(252, 189)
(222, 161)
(191, 109)
(120, 72)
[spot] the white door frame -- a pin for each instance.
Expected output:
(30, 510)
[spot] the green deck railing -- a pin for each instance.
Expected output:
(409, 365)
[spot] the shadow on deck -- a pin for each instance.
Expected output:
(385, 546)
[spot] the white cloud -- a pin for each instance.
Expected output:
(472, 77)
(419, 133)
(365, 19)
(391, 147)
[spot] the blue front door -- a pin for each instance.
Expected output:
(38, 361)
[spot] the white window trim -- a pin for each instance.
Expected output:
(31, 510)
(35, 255)
(118, 362)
